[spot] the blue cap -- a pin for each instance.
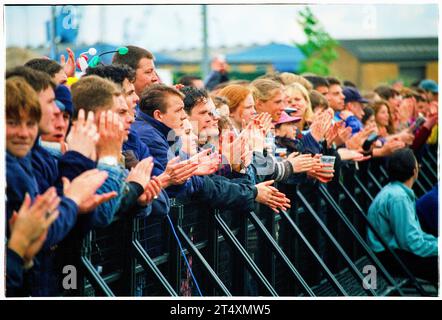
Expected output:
(60, 105)
(352, 94)
(429, 85)
(63, 99)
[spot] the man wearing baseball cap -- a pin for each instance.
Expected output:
(353, 109)
(431, 88)
(55, 141)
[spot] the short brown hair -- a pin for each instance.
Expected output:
(318, 100)
(38, 80)
(48, 66)
(21, 100)
(92, 92)
(154, 98)
(333, 81)
(132, 57)
(386, 92)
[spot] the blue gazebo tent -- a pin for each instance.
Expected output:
(283, 58)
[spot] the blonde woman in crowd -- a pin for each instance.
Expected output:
(298, 103)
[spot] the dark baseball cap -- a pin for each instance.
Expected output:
(352, 94)
(63, 99)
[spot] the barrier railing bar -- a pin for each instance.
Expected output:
(250, 264)
(375, 181)
(431, 157)
(430, 169)
(194, 250)
(348, 261)
(148, 264)
(213, 244)
(423, 175)
(277, 250)
(334, 282)
(95, 278)
(359, 238)
(362, 187)
(421, 187)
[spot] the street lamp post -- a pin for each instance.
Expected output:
(205, 56)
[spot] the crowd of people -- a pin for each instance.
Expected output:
(115, 141)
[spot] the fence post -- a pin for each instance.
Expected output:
(174, 266)
(266, 257)
(239, 276)
(212, 249)
(128, 278)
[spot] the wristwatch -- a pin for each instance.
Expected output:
(108, 160)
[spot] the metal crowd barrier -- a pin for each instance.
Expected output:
(317, 248)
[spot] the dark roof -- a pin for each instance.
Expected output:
(282, 57)
(402, 49)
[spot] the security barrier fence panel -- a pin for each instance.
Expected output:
(317, 248)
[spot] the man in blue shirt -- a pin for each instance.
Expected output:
(393, 215)
(353, 109)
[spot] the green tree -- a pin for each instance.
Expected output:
(319, 49)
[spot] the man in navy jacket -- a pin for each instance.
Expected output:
(26, 116)
(161, 113)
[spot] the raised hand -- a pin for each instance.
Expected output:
(321, 171)
(406, 136)
(388, 148)
(406, 109)
(95, 200)
(151, 192)
(207, 166)
(431, 120)
(301, 162)
(332, 134)
(69, 66)
(357, 140)
(111, 133)
(177, 172)
(141, 172)
(247, 156)
(344, 134)
(265, 121)
(347, 154)
(29, 226)
(271, 197)
(83, 187)
(83, 136)
(320, 125)
(234, 148)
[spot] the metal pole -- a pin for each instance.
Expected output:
(102, 28)
(205, 56)
(53, 45)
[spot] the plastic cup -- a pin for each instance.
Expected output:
(328, 160)
(281, 152)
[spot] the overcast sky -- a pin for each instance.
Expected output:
(159, 27)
